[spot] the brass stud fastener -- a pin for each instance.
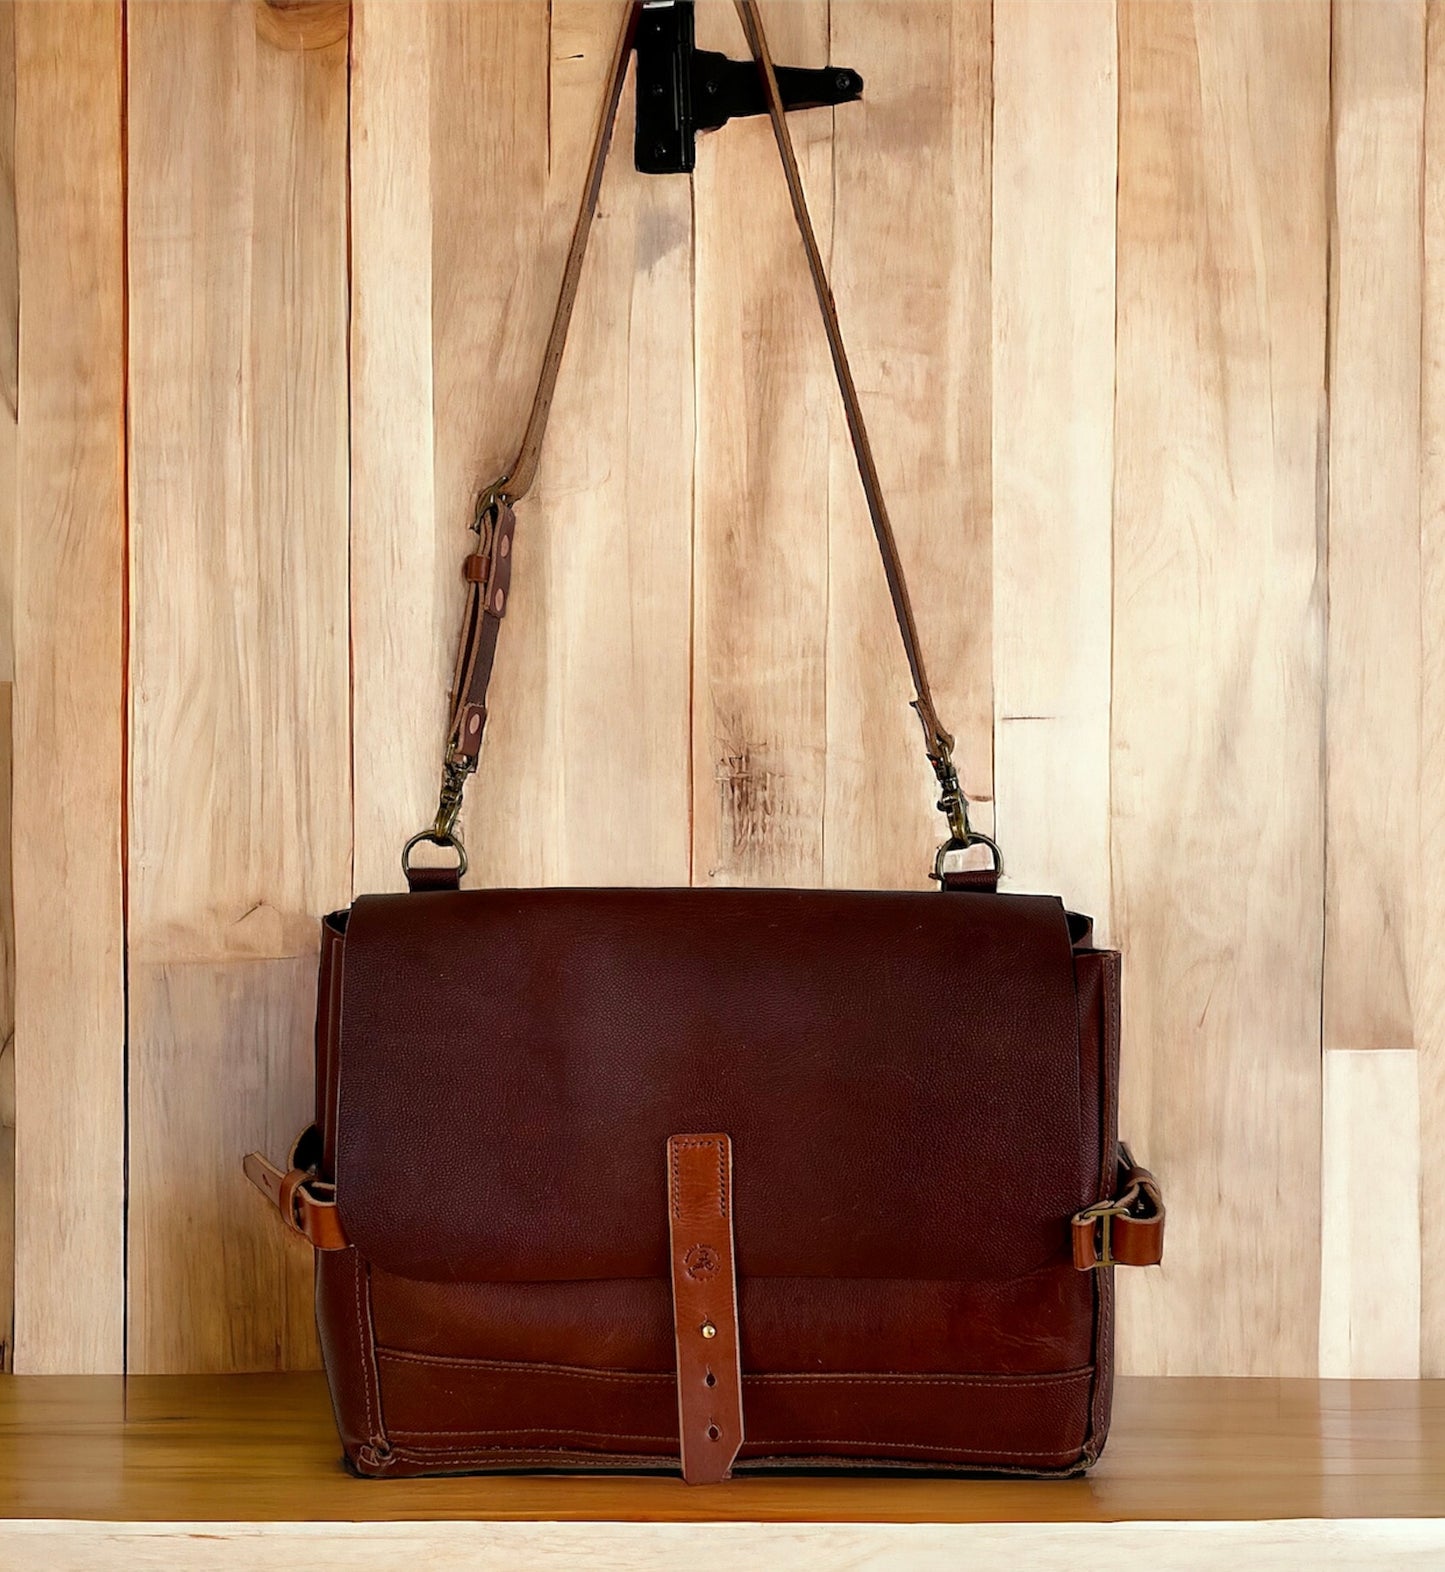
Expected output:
(708, 1329)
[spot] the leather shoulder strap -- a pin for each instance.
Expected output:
(495, 520)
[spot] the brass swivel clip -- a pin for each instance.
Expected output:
(442, 831)
(953, 805)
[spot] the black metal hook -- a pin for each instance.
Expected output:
(682, 90)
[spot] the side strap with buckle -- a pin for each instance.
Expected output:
(307, 1204)
(1127, 1231)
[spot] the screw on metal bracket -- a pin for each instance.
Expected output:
(682, 90)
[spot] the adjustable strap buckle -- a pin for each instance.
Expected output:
(1093, 1235)
(307, 1204)
(1127, 1230)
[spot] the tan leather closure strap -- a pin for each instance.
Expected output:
(307, 1204)
(494, 522)
(705, 1305)
(1126, 1231)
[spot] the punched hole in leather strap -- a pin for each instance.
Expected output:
(705, 1305)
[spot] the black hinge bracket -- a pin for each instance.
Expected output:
(682, 90)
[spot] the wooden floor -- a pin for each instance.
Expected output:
(236, 1471)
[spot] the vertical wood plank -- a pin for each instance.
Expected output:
(1370, 1239)
(397, 645)
(1430, 992)
(9, 502)
(449, 171)
(9, 344)
(1218, 832)
(1055, 166)
(910, 266)
(765, 423)
(1373, 716)
(240, 830)
(585, 779)
(68, 704)
(461, 215)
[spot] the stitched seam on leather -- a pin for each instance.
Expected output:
(1108, 1166)
(361, 1347)
(510, 1366)
(722, 1182)
(540, 1430)
(860, 1453)
(1013, 1382)
(1006, 1379)
(915, 1446)
(546, 1455)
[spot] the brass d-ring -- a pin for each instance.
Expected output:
(958, 843)
(435, 837)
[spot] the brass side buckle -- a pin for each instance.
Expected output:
(1099, 1220)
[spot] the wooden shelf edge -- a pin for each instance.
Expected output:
(1400, 1544)
(251, 1457)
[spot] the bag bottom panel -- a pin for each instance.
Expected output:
(446, 1412)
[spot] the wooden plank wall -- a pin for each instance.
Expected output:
(1145, 299)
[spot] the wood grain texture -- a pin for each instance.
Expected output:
(700, 678)
(398, 656)
(1429, 998)
(9, 345)
(585, 779)
(491, 247)
(1055, 165)
(258, 1449)
(69, 692)
(914, 301)
(1373, 712)
(1370, 1215)
(765, 427)
(1412, 1546)
(1217, 696)
(461, 214)
(239, 820)
(9, 507)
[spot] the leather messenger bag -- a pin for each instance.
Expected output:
(712, 1179)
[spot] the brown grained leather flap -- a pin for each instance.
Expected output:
(898, 1073)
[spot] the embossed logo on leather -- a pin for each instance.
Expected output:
(701, 1261)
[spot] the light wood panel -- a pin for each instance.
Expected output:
(1217, 695)
(699, 628)
(9, 503)
(914, 301)
(1373, 715)
(647, 1547)
(1055, 164)
(586, 778)
(479, 273)
(69, 691)
(1429, 998)
(1370, 1234)
(765, 426)
(395, 552)
(239, 821)
(461, 214)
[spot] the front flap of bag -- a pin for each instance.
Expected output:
(898, 1073)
